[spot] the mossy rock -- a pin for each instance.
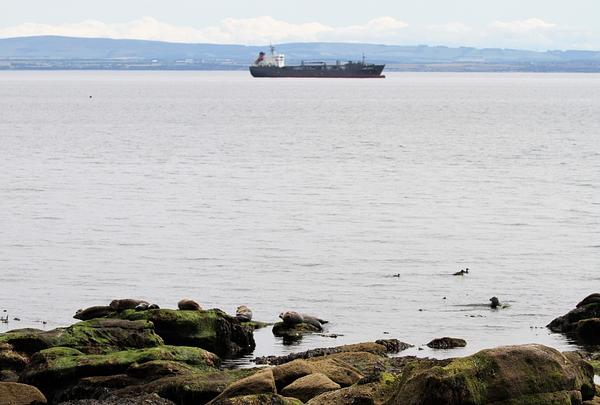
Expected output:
(255, 324)
(293, 332)
(92, 337)
(524, 374)
(55, 368)
(212, 330)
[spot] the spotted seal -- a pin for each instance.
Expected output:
(291, 318)
(127, 303)
(93, 312)
(494, 302)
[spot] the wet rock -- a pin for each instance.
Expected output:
(127, 303)
(188, 305)
(309, 386)
(293, 331)
(393, 345)
(369, 347)
(532, 374)
(212, 330)
(365, 394)
(588, 331)
(10, 359)
(12, 393)
(287, 373)
(93, 312)
(243, 314)
(336, 370)
(155, 369)
(446, 343)
(261, 382)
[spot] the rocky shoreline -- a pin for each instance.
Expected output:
(131, 352)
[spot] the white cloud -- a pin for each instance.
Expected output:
(531, 33)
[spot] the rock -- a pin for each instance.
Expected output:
(446, 343)
(12, 393)
(93, 312)
(92, 337)
(336, 370)
(155, 369)
(212, 330)
(55, 368)
(261, 382)
(261, 399)
(287, 373)
(148, 399)
(243, 314)
(127, 303)
(293, 331)
(587, 309)
(369, 347)
(354, 395)
(588, 331)
(11, 360)
(393, 345)
(590, 299)
(532, 374)
(309, 387)
(188, 305)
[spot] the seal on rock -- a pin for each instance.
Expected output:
(291, 317)
(313, 320)
(243, 314)
(93, 312)
(127, 303)
(189, 305)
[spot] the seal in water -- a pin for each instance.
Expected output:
(190, 305)
(127, 303)
(462, 272)
(243, 314)
(495, 303)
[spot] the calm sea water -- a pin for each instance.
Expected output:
(306, 195)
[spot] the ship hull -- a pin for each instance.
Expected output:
(367, 72)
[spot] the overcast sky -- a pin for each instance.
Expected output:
(527, 24)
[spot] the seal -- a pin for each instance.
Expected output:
(494, 302)
(291, 318)
(462, 272)
(314, 321)
(188, 305)
(243, 314)
(127, 303)
(93, 312)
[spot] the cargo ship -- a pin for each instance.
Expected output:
(274, 66)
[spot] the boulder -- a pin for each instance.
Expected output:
(54, 369)
(588, 331)
(310, 386)
(212, 330)
(293, 331)
(336, 370)
(12, 393)
(261, 382)
(527, 374)
(260, 399)
(287, 373)
(363, 394)
(92, 337)
(447, 343)
(148, 399)
(10, 359)
(189, 305)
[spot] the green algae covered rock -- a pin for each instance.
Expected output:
(93, 337)
(57, 367)
(527, 374)
(212, 330)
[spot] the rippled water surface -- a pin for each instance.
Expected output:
(304, 194)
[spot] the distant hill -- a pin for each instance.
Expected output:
(54, 49)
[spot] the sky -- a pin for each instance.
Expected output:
(522, 24)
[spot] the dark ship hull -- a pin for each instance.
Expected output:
(354, 70)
